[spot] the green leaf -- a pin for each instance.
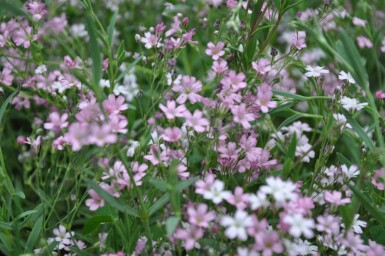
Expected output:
(159, 204)
(19, 194)
(95, 55)
(10, 7)
(185, 184)
(366, 202)
(159, 184)
(356, 127)
(111, 26)
(34, 235)
(289, 158)
(281, 108)
(171, 224)
(5, 225)
(24, 214)
(347, 215)
(343, 159)
(5, 104)
(290, 95)
(93, 223)
(277, 4)
(120, 206)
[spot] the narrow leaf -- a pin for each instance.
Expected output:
(356, 127)
(93, 223)
(171, 224)
(159, 204)
(111, 26)
(34, 235)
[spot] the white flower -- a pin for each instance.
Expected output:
(41, 69)
(303, 149)
(236, 227)
(299, 225)
(216, 193)
(150, 40)
(104, 83)
(282, 191)
(79, 30)
(357, 224)
(133, 145)
(315, 72)
(300, 247)
(350, 173)
(352, 104)
(341, 121)
(246, 252)
(129, 88)
(346, 76)
(258, 201)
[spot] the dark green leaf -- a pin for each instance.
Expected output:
(159, 204)
(93, 223)
(358, 129)
(34, 235)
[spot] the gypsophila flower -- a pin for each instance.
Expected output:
(346, 76)
(237, 225)
(315, 72)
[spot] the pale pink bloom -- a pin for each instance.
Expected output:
(187, 38)
(328, 223)
(236, 81)
(69, 63)
(6, 77)
(269, 243)
(262, 66)
(380, 94)
(101, 135)
(204, 185)
(374, 249)
(364, 42)
(23, 36)
(150, 40)
(298, 225)
(21, 101)
(237, 225)
(114, 105)
(56, 122)
(77, 135)
(264, 95)
(216, 192)
(359, 22)
(298, 40)
(175, 26)
(36, 9)
(241, 116)
(105, 64)
(171, 110)
(379, 178)
(219, 66)
(282, 191)
(95, 202)
(188, 89)
(238, 199)
(335, 198)
(196, 121)
(154, 156)
(172, 134)
(189, 236)
(62, 237)
(231, 4)
(57, 24)
(216, 51)
(118, 124)
(199, 216)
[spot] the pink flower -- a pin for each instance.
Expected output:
(298, 40)
(378, 179)
(6, 77)
(236, 81)
(95, 202)
(335, 198)
(219, 66)
(36, 9)
(216, 51)
(199, 216)
(118, 124)
(114, 105)
(69, 63)
(262, 66)
(241, 116)
(101, 135)
(269, 243)
(56, 122)
(154, 156)
(172, 134)
(171, 111)
(150, 40)
(363, 42)
(359, 22)
(20, 102)
(382, 47)
(231, 4)
(196, 121)
(189, 236)
(188, 89)
(380, 94)
(264, 96)
(23, 36)
(238, 199)
(77, 135)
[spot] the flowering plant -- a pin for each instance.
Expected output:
(192, 127)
